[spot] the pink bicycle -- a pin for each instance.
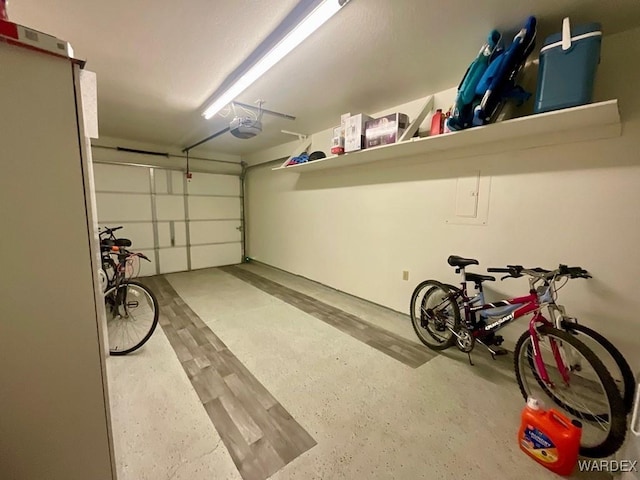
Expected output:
(548, 361)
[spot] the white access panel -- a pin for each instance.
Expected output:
(469, 204)
(467, 196)
(215, 255)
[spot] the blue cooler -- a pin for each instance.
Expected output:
(568, 63)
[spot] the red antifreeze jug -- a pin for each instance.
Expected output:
(550, 438)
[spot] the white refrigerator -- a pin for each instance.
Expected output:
(54, 412)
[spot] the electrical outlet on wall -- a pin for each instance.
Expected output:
(405, 275)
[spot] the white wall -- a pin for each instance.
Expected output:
(357, 228)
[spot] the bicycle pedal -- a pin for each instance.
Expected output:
(500, 352)
(497, 340)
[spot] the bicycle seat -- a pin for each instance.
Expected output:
(456, 261)
(106, 244)
(477, 278)
(123, 242)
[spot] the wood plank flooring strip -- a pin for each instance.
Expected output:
(286, 447)
(410, 353)
(259, 433)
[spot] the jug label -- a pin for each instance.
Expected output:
(539, 445)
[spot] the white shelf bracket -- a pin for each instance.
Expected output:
(413, 127)
(301, 136)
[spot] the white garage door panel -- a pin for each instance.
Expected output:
(170, 207)
(114, 207)
(214, 232)
(211, 184)
(140, 234)
(164, 234)
(173, 259)
(177, 182)
(208, 208)
(214, 207)
(121, 178)
(215, 255)
(147, 268)
(161, 181)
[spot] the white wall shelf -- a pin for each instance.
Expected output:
(588, 122)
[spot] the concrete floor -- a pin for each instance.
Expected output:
(372, 416)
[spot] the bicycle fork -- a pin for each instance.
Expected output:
(555, 349)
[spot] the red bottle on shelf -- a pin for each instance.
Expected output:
(437, 122)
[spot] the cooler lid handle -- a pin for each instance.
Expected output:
(566, 34)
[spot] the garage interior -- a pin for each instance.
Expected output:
(284, 346)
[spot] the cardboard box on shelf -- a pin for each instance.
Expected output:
(354, 139)
(385, 130)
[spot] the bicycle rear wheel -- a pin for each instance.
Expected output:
(434, 315)
(590, 394)
(132, 315)
(613, 360)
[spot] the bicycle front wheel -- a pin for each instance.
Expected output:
(613, 360)
(132, 315)
(434, 314)
(589, 394)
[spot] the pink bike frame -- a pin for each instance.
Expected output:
(530, 304)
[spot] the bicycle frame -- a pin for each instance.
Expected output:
(522, 306)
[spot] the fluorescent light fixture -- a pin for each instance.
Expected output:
(310, 24)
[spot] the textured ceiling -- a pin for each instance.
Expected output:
(159, 61)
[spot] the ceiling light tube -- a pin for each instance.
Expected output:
(322, 13)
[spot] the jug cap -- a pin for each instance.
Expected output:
(533, 403)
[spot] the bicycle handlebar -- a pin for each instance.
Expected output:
(516, 271)
(109, 231)
(122, 250)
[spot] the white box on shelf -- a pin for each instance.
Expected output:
(354, 134)
(343, 122)
(337, 141)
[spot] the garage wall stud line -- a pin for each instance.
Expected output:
(187, 220)
(154, 220)
(172, 226)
